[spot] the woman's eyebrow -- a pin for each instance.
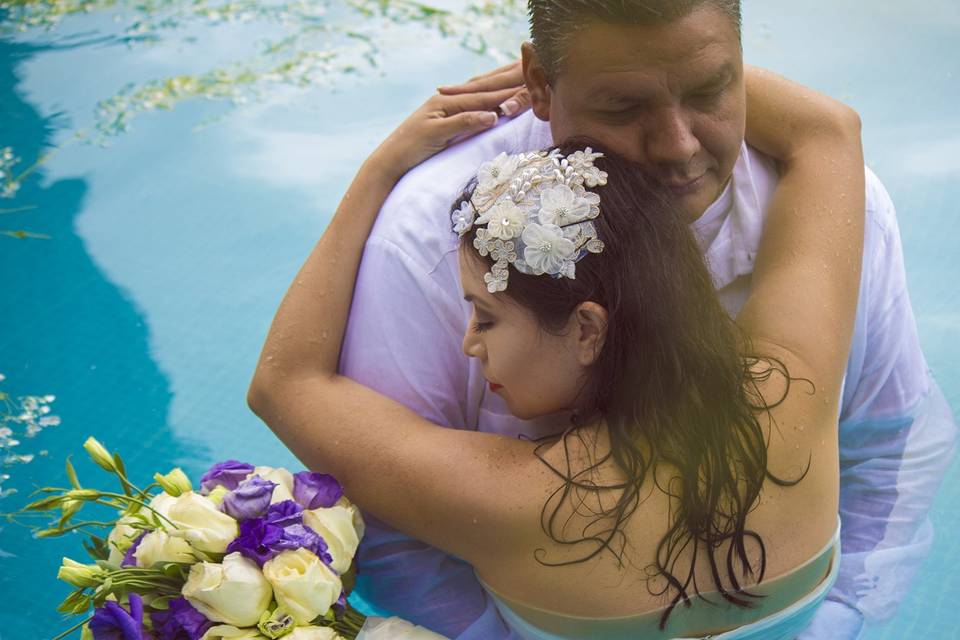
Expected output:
(476, 302)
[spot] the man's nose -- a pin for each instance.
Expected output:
(669, 139)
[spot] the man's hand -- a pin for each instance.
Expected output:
(509, 76)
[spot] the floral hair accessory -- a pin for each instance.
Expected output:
(537, 211)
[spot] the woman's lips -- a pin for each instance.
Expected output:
(495, 387)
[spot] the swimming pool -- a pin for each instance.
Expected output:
(169, 249)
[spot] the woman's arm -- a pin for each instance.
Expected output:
(807, 274)
(427, 481)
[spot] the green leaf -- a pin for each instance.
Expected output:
(72, 474)
(44, 504)
(75, 603)
(97, 548)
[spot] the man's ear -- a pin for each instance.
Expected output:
(591, 327)
(535, 77)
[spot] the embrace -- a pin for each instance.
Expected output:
(614, 365)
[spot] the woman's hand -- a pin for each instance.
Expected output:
(441, 121)
(509, 76)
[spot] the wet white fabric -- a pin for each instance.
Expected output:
(897, 434)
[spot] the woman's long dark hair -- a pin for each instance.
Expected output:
(674, 374)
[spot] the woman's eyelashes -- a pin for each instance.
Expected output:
(480, 327)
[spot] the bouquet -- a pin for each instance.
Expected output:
(255, 553)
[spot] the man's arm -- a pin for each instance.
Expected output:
(897, 437)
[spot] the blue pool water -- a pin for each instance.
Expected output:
(169, 248)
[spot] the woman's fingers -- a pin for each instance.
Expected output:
(505, 77)
(484, 101)
(464, 125)
(518, 103)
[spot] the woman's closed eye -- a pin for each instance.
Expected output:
(480, 327)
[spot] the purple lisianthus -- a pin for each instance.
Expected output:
(316, 490)
(285, 513)
(249, 500)
(129, 559)
(257, 540)
(229, 473)
(298, 536)
(179, 622)
(113, 622)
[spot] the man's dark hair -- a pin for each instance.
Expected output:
(552, 22)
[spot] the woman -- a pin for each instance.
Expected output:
(704, 457)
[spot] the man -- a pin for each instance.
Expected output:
(662, 83)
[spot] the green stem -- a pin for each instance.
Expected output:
(73, 628)
(125, 498)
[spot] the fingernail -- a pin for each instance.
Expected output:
(442, 88)
(489, 118)
(509, 107)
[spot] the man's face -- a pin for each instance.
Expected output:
(670, 97)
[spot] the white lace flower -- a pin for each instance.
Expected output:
(546, 249)
(496, 279)
(483, 243)
(504, 220)
(463, 218)
(559, 205)
(497, 172)
(504, 252)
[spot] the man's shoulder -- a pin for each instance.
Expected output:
(416, 216)
(756, 178)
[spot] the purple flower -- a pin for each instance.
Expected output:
(113, 622)
(179, 622)
(297, 536)
(316, 490)
(229, 474)
(130, 560)
(285, 513)
(249, 500)
(257, 540)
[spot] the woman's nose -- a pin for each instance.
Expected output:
(471, 344)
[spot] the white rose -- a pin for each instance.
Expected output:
(201, 523)
(302, 584)
(121, 537)
(313, 633)
(229, 632)
(160, 546)
(358, 523)
(160, 504)
(335, 526)
(394, 629)
(281, 477)
(234, 592)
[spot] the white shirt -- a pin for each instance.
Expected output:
(404, 339)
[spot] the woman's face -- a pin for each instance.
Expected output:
(535, 372)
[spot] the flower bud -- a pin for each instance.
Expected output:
(80, 575)
(82, 494)
(313, 633)
(69, 507)
(302, 584)
(99, 454)
(175, 483)
(217, 495)
(276, 623)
